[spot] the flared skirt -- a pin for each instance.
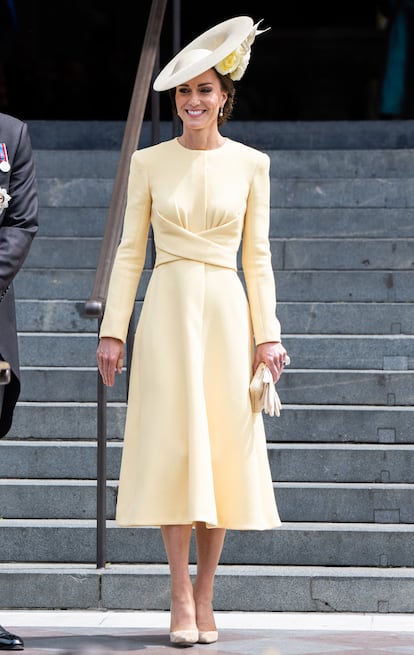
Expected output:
(193, 449)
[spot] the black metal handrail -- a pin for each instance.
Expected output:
(95, 305)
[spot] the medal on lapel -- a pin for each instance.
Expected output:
(4, 199)
(4, 159)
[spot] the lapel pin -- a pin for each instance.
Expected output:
(4, 159)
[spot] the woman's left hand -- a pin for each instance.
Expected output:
(273, 354)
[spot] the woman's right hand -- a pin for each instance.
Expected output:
(110, 357)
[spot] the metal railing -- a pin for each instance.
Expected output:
(94, 307)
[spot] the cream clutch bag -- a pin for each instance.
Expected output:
(263, 394)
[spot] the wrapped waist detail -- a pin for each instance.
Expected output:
(212, 246)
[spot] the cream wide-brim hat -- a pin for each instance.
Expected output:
(204, 52)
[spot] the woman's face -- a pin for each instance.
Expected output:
(198, 101)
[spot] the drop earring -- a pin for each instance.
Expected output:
(221, 112)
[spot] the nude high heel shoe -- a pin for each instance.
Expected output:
(184, 637)
(207, 636)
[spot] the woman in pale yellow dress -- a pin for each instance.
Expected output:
(195, 454)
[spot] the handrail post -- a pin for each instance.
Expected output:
(94, 306)
(101, 474)
(155, 105)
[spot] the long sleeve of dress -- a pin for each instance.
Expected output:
(256, 257)
(130, 257)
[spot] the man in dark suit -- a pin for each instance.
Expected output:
(18, 226)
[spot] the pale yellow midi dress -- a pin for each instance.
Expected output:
(193, 449)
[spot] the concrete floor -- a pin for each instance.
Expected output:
(108, 633)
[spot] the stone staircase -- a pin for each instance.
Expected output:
(342, 451)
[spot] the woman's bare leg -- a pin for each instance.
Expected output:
(209, 542)
(177, 546)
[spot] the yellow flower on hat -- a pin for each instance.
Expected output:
(228, 64)
(234, 64)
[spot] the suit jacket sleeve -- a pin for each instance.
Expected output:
(256, 257)
(19, 222)
(130, 257)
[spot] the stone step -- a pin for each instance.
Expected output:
(333, 163)
(285, 222)
(311, 544)
(342, 318)
(341, 424)
(287, 254)
(68, 284)
(66, 384)
(74, 192)
(65, 420)
(323, 135)
(318, 589)
(290, 135)
(335, 222)
(329, 387)
(286, 192)
(297, 423)
(323, 163)
(92, 164)
(237, 588)
(88, 135)
(292, 286)
(72, 222)
(72, 252)
(56, 459)
(64, 252)
(355, 463)
(346, 286)
(289, 462)
(354, 352)
(343, 192)
(296, 317)
(56, 316)
(343, 254)
(297, 501)
(354, 388)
